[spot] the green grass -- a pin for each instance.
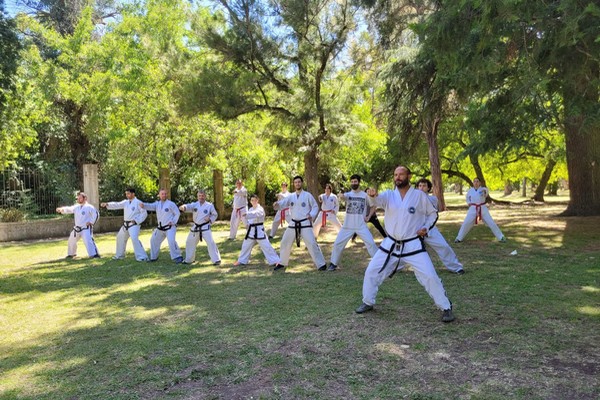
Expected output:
(528, 325)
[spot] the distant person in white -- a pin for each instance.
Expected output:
(167, 215)
(329, 209)
(283, 214)
(133, 216)
(354, 223)
(408, 216)
(86, 216)
(435, 239)
(478, 210)
(240, 205)
(256, 234)
(204, 215)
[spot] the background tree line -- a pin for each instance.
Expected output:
(266, 89)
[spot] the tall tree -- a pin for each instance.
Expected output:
(9, 48)
(279, 57)
(484, 46)
(416, 99)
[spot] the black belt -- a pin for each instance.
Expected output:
(298, 228)
(197, 228)
(255, 226)
(399, 247)
(161, 227)
(79, 228)
(128, 224)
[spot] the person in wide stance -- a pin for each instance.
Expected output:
(435, 239)
(478, 210)
(355, 223)
(133, 216)
(256, 234)
(86, 216)
(408, 216)
(167, 215)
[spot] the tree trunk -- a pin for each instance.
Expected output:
(311, 172)
(435, 164)
(78, 142)
(539, 191)
(582, 137)
(261, 191)
(524, 188)
(477, 167)
(219, 201)
(508, 188)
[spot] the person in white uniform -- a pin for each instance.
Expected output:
(167, 215)
(240, 206)
(435, 239)
(303, 210)
(281, 215)
(478, 211)
(203, 214)
(133, 216)
(86, 216)
(329, 209)
(408, 215)
(354, 223)
(256, 234)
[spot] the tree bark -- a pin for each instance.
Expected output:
(261, 190)
(539, 191)
(524, 188)
(582, 135)
(435, 164)
(78, 141)
(219, 201)
(311, 176)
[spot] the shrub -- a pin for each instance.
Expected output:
(11, 215)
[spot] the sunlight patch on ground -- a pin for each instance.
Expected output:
(26, 377)
(139, 284)
(392, 348)
(589, 310)
(590, 289)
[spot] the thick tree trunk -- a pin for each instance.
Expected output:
(219, 201)
(78, 142)
(261, 191)
(311, 172)
(583, 164)
(539, 191)
(582, 137)
(435, 164)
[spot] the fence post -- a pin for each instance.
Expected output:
(90, 184)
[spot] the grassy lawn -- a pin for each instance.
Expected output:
(528, 325)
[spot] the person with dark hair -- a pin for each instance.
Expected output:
(329, 209)
(435, 239)
(478, 210)
(408, 216)
(133, 216)
(240, 205)
(167, 215)
(86, 216)
(303, 210)
(354, 223)
(203, 214)
(281, 215)
(256, 234)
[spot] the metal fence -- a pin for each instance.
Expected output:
(36, 192)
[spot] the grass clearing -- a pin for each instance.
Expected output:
(528, 325)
